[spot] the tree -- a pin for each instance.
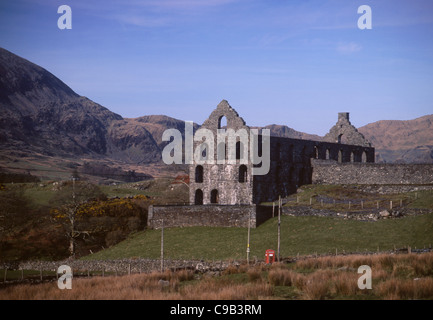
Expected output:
(66, 203)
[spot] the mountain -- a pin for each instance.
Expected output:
(44, 124)
(41, 115)
(405, 141)
(286, 132)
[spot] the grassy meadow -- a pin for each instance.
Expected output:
(299, 235)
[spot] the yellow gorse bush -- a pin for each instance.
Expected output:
(97, 208)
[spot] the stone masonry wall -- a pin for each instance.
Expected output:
(332, 172)
(208, 215)
(202, 215)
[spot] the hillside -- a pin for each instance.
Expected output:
(48, 129)
(402, 141)
(45, 125)
(286, 132)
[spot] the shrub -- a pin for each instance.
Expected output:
(254, 275)
(283, 277)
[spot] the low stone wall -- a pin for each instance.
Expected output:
(207, 215)
(332, 172)
(123, 266)
(368, 214)
(393, 189)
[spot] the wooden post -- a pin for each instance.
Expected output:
(273, 209)
(162, 246)
(362, 204)
(390, 205)
(349, 205)
(401, 202)
(378, 204)
(248, 238)
(311, 200)
(279, 227)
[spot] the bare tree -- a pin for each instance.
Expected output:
(67, 202)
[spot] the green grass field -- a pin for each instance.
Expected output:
(303, 235)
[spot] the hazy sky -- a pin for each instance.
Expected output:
(296, 63)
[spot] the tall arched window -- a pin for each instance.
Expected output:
(276, 152)
(222, 122)
(291, 154)
(214, 196)
(204, 151)
(199, 174)
(316, 152)
(198, 200)
(243, 173)
(291, 174)
(364, 156)
(301, 177)
(222, 151)
(239, 150)
(340, 156)
(327, 155)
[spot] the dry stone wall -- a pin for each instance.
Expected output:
(207, 215)
(332, 172)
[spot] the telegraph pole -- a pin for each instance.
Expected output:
(248, 241)
(279, 227)
(162, 246)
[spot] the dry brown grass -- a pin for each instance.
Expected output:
(140, 287)
(397, 289)
(405, 276)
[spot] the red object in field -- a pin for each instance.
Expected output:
(270, 256)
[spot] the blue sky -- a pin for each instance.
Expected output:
(296, 63)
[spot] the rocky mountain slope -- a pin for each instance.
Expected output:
(286, 132)
(41, 118)
(409, 141)
(42, 115)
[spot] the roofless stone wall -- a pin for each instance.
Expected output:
(332, 172)
(208, 215)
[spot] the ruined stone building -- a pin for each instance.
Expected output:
(290, 161)
(224, 192)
